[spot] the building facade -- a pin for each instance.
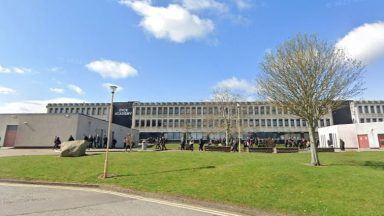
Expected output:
(367, 111)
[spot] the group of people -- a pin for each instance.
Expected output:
(57, 141)
(93, 141)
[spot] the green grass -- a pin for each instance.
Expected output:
(350, 183)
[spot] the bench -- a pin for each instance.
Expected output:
(261, 149)
(287, 150)
(217, 148)
(325, 149)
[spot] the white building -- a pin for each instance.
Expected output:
(39, 130)
(360, 136)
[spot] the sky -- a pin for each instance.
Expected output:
(55, 51)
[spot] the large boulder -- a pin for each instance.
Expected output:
(73, 148)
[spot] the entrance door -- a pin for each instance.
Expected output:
(363, 141)
(10, 136)
(381, 140)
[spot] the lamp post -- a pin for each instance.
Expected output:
(105, 175)
(238, 124)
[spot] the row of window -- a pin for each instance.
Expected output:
(249, 110)
(84, 110)
(205, 123)
(368, 120)
(371, 109)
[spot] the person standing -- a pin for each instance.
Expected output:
(57, 143)
(191, 142)
(71, 138)
(201, 144)
(129, 141)
(105, 141)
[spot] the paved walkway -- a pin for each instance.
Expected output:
(4, 152)
(19, 199)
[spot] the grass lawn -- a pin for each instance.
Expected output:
(350, 183)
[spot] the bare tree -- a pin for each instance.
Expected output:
(309, 77)
(226, 101)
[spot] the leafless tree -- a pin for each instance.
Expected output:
(309, 77)
(226, 101)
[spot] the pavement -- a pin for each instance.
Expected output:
(8, 152)
(27, 199)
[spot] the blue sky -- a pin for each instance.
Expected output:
(54, 50)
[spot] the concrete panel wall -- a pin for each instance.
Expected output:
(38, 130)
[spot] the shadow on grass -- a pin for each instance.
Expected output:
(371, 164)
(167, 171)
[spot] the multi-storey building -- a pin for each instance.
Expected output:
(198, 119)
(367, 111)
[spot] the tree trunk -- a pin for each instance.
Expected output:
(226, 135)
(314, 157)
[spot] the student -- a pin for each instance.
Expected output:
(71, 138)
(191, 141)
(57, 143)
(201, 144)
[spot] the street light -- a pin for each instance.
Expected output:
(105, 175)
(238, 124)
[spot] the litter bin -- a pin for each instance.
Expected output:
(144, 145)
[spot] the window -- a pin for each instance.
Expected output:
(137, 111)
(286, 123)
(321, 122)
(274, 122)
(170, 110)
(362, 120)
(257, 122)
(280, 122)
(374, 120)
(368, 120)
(216, 111)
(304, 123)
(198, 122)
(148, 123)
(176, 122)
(182, 110)
(62, 110)
(165, 123)
(188, 110)
(210, 110)
(257, 110)
(378, 110)
(269, 123)
(194, 123)
(165, 110)
(273, 110)
(360, 109)
(366, 109)
(77, 110)
(148, 110)
(298, 123)
(160, 110)
(153, 110)
(176, 110)
(170, 123)
(328, 122)
(159, 122)
(194, 110)
(279, 111)
(372, 109)
(142, 112)
(72, 110)
(262, 110)
(292, 122)
(263, 122)
(198, 110)
(380, 119)
(181, 122)
(142, 123)
(251, 123)
(104, 111)
(250, 110)
(93, 111)
(137, 122)
(267, 110)
(153, 123)
(245, 122)
(205, 110)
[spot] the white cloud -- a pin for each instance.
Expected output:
(107, 86)
(173, 22)
(243, 4)
(113, 69)
(57, 90)
(76, 89)
(18, 70)
(237, 84)
(365, 42)
(5, 90)
(34, 106)
(204, 5)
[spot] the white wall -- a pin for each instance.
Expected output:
(372, 130)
